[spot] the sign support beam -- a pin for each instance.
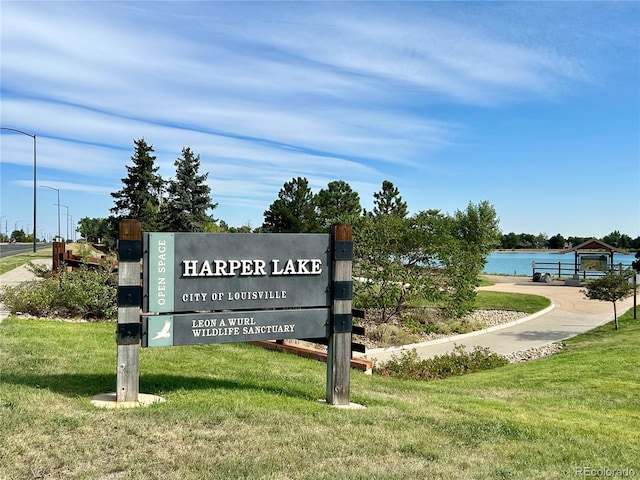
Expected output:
(339, 348)
(128, 333)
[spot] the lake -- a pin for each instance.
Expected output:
(519, 263)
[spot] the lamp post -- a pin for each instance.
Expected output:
(65, 206)
(6, 226)
(57, 190)
(34, 178)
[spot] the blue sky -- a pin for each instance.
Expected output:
(532, 106)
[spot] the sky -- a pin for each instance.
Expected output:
(531, 106)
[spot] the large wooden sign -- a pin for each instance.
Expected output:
(217, 288)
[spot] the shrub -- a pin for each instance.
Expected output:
(40, 270)
(459, 362)
(85, 293)
(388, 335)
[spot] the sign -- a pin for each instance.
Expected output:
(218, 288)
(189, 272)
(590, 263)
(243, 326)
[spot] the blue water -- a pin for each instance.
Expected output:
(519, 263)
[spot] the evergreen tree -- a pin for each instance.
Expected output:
(140, 196)
(338, 203)
(293, 211)
(188, 197)
(389, 202)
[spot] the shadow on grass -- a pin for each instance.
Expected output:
(82, 384)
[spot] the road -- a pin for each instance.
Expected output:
(8, 249)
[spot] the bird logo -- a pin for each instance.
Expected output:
(164, 333)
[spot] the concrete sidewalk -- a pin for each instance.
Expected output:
(15, 277)
(570, 315)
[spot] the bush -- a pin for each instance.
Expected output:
(389, 335)
(85, 293)
(459, 362)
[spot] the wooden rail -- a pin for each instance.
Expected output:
(568, 269)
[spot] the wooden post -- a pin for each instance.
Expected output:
(58, 255)
(129, 294)
(635, 295)
(339, 348)
(559, 269)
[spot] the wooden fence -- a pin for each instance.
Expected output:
(569, 269)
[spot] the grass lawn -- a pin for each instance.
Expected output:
(237, 411)
(14, 261)
(511, 301)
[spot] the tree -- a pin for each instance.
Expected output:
(293, 211)
(338, 203)
(456, 249)
(140, 196)
(429, 255)
(188, 197)
(19, 236)
(611, 287)
(478, 225)
(510, 240)
(617, 239)
(389, 202)
(557, 241)
(94, 229)
(636, 263)
(388, 273)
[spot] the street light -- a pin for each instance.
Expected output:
(6, 225)
(34, 178)
(67, 237)
(57, 190)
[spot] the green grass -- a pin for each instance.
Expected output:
(14, 261)
(488, 300)
(237, 411)
(511, 301)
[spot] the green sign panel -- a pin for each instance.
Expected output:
(190, 272)
(160, 269)
(218, 288)
(242, 326)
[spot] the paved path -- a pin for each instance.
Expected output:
(16, 277)
(570, 314)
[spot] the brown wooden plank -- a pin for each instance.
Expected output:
(362, 364)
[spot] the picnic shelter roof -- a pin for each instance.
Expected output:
(595, 244)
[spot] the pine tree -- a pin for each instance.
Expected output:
(293, 211)
(337, 203)
(188, 197)
(389, 202)
(140, 196)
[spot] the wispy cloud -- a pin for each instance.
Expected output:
(268, 91)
